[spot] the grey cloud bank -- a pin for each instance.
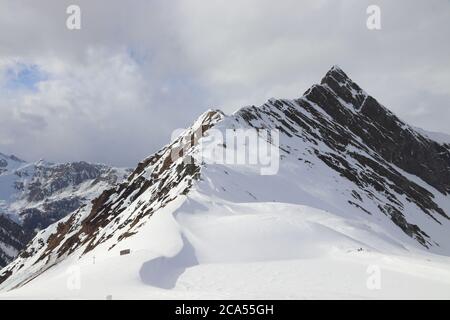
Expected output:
(114, 91)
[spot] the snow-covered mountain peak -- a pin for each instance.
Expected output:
(351, 177)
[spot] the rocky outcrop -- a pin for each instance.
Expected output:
(382, 131)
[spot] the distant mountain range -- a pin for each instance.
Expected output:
(35, 195)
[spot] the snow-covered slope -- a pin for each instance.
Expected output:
(356, 192)
(35, 195)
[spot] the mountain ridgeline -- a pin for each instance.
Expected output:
(340, 151)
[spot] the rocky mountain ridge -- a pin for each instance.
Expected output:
(341, 151)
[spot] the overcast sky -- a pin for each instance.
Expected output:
(113, 91)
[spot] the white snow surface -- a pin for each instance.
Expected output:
(201, 247)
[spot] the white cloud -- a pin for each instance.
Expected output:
(115, 89)
(101, 99)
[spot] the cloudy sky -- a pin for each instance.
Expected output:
(113, 91)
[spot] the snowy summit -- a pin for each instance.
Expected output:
(358, 207)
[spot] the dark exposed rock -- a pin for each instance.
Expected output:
(62, 176)
(12, 236)
(52, 211)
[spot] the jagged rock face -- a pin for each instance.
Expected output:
(44, 192)
(12, 240)
(49, 181)
(39, 194)
(3, 165)
(38, 219)
(382, 131)
(337, 131)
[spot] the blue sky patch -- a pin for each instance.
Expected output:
(24, 76)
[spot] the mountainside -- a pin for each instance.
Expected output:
(12, 239)
(353, 186)
(35, 195)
